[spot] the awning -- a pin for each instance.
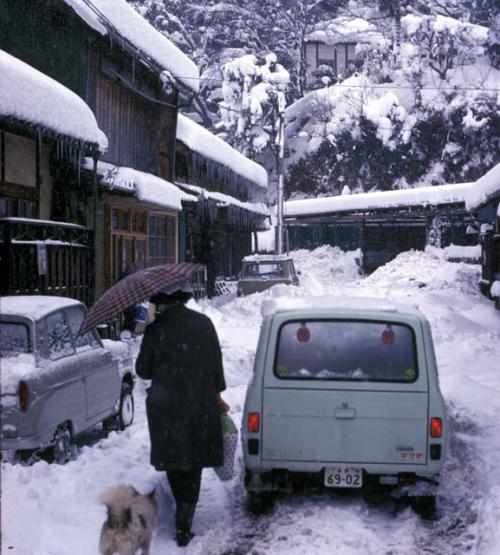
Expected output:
(144, 186)
(29, 96)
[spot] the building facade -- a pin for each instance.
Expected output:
(382, 224)
(217, 229)
(128, 74)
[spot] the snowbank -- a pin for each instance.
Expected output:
(31, 97)
(471, 252)
(61, 513)
(421, 196)
(146, 186)
(484, 188)
(118, 16)
(200, 140)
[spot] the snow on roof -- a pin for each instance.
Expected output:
(200, 140)
(344, 29)
(32, 97)
(118, 15)
(36, 221)
(33, 307)
(421, 196)
(440, 23)
(484, 188)
(331, 305)
(146, 186)
(257, 208)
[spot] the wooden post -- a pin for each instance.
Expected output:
(95, 157)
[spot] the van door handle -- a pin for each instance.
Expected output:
(345, 413)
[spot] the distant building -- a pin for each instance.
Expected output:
(330, 49)
(382, 224)
(230, 190)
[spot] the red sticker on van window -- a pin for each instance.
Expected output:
(388, 337)
(303, 335)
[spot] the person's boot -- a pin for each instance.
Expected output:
(183, 522)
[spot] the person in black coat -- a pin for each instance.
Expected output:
(181, 355)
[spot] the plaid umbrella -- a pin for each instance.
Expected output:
(135, 288)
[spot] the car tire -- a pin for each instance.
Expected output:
(424, 506)
(125, 416)
(126, 410)
(260, 503)
(63, 449)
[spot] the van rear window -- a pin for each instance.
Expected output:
(346, 350)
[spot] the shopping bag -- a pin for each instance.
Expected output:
(230, 441)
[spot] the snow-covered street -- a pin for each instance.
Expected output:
(54, 510)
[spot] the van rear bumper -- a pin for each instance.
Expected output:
(427, 469)
(284, 480)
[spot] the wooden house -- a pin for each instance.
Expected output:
(483, 201)
(230, 189)
(132, 77)
(381, 224)
(330, 49)
(45, 130)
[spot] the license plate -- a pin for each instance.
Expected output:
(343, 477)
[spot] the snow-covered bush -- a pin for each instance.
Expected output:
(253, 90)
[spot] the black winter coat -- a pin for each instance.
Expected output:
(181, 355)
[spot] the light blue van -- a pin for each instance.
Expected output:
(344, 393)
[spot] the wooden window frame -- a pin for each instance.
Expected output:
(176, 232)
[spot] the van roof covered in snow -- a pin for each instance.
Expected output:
(330, 304)
(266, 257)
(33, 307)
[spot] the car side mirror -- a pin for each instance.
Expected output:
(125, 335)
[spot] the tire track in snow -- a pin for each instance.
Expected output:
(455, 528)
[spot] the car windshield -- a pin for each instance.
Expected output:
(14, 339)
(346, 350)
(264, 269)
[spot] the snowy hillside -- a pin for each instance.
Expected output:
(418, 103)
(56, 509)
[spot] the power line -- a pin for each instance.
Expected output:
(371, 86)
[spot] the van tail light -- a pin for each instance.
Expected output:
(23, 396)
(436, 427)
(253, 422)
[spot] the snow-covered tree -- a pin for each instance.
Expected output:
(445, 42)
(209, 32)
(253, 92)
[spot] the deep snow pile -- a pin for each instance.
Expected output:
(54, 510)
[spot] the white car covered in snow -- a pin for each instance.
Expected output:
(54, 382)
(345, 392)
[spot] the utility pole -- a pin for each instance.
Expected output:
(281, 170)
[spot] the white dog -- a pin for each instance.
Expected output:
(130, 522)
